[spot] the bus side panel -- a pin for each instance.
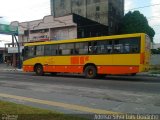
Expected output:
(121, 64)
(106, 64)
(28, 68)
(126, 59)
(64, 69)
(118, 69)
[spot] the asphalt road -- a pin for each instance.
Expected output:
(124, 94)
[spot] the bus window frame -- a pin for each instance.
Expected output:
(89, 44)
(51, 53)
(71, 50)
(41, 51)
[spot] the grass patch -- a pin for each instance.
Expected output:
(155, 72)
(155, 67)
(30, 113)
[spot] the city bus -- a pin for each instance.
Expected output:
(96, 56)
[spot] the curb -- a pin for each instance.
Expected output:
(13, 70)
(150, 75)
(154, 75)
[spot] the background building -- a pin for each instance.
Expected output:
(49, 28)
(67, 27)
(106, 12)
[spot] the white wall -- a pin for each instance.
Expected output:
(155, 59)
(155, 45)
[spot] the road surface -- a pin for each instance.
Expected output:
(76, 94)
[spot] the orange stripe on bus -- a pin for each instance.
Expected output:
(142, 58)
(82, 60)
(79, 60)
(28, 68)
(74, 60)
(79, 69)
(69, 69)
(118, 69)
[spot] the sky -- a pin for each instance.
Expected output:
(27, 10)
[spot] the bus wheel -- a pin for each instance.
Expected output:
(39, 70)
(90, 72)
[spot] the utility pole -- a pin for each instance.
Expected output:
(28, 29)
(19, 52)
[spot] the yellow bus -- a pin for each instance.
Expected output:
(96, 56)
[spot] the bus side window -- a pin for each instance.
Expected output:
(47, 50)
(31, 51)
(81, 48)
(109, 47)
(94, 47)
(101, 47)
(118, 46)
(131, 45)
(72, 52)
(70, 47)
(134, 48)
(66, 49)
(76, 51)
(90, 48)
(59, 52)
(61, 48)
(39, 50)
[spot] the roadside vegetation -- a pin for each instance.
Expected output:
(155, 70)
(21, 112)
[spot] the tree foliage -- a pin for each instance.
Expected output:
(135, 22)
(155, 51)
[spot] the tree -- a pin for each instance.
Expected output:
(155, 51)
(135, 22)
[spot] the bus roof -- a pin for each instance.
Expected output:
(86, 39)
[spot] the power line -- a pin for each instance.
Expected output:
(153, 17)
(143, 7)
(155, 25)
(157, 34)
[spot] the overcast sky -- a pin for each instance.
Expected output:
(26, 10)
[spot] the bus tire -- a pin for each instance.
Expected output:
(90, 72)
(39, 70)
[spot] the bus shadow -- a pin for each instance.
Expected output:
(110, 78)
(66, 75)
(133, 79)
